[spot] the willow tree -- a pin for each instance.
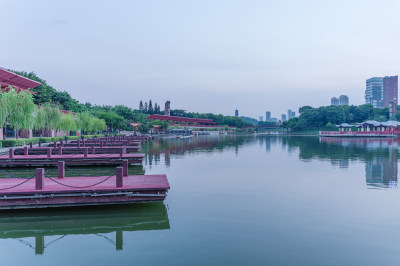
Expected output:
(68, 123)
(98, 125)
(16, 109)
(48, 117)
(85, 120)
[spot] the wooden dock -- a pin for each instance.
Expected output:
(41, 192)
(69, 159)
(75, 150)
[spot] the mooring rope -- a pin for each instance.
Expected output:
(65, 185)
(17, 185)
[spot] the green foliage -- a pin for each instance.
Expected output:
(12, 143)
(16, 109)
(48, 116)
(47, 94)
(328, 116)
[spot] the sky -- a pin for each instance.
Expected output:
(204, 55)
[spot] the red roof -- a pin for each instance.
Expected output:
(8, 78)
(180, 119)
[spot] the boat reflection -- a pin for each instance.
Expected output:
(97, 221)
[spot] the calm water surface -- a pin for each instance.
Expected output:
(233, 201)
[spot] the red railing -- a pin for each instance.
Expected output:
(355, 133)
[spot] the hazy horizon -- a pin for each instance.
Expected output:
(204, 56)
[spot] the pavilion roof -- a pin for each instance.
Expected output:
(374, 123)
(8, 78)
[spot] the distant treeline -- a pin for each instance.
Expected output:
(326, 117)
(116, 117)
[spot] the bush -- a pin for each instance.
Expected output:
(12, 143)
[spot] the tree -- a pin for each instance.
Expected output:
(16, 109)
(150, 108)
(145, 108)
(141, 108)
(157, 109)
(48, 117)
(68, 123)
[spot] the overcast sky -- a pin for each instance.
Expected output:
(204, 56)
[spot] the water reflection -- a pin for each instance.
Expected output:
(379, 155)
(99, 221)
(179, 148)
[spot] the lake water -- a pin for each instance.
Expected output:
(234, 200)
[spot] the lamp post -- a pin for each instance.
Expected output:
(135, 126)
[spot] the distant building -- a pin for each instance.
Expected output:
(167, 109)
(283, 117)
(390, 91)
(261, 119)
(290, 114)
(237, 113)
(334, 101)
(380, 92)
(343, 100)
(268, 116)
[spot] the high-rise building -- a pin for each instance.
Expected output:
(283, 117)
(289, 114)
(268, 116)
(380, 92)
(343, 100)
(390, 90)
(374, 92)
(261, 119)
(293, 115)
(237, 113)
(334, 101)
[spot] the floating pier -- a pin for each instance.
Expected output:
(75, 150)
(69, 159)
(42, 191)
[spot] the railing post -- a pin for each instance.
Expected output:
(11, 153)
(121, 152)
(25, 150)
(40, 144)
(61, 169)
(60, 150)
(49, 151)
(124, 149)
(125, 167)
(119, 180)
(31, 145)
(55, 145)
(102, 144)
(119, 239)
(39, 178)
(93, 151)
(85, 152)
